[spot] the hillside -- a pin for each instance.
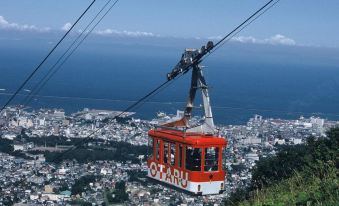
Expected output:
(297, 175)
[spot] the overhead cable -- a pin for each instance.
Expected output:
(44, 60)
(55, 68)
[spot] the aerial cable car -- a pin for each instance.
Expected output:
(185, 155)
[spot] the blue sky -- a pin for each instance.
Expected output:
(304, 22)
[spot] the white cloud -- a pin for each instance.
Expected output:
(277, 39)
(214, 37)
(4, 24)
(67, 26)
(246, 39)
(107, 32)
(280, 39)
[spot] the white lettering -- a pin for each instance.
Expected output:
(177, 177)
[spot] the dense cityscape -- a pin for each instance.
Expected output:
(30, 176)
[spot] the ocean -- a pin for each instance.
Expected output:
(244, 79)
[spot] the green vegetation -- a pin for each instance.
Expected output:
(303, 188)
(50, 141)
(80, 203)
(118, 151)
(88, 149)
(82, 183)
(138, 176)
(297, 175)
(118, 195)
(6, 146)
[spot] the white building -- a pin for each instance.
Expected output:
(18, 147)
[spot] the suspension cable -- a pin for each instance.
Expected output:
(89, 136)
(199, 58)
(52, 71)
(154, 91)
(244, 22)
(234, 33)
(44, 60)
(220, 107)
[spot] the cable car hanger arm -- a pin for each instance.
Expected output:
(191, 59)
(188, 59)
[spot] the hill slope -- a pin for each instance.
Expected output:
(297, 175)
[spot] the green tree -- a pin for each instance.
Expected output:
(120, 194)
(81, 184)
(296, 175)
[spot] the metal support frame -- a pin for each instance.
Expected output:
(197, 82)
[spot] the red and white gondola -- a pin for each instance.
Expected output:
(187, 156)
